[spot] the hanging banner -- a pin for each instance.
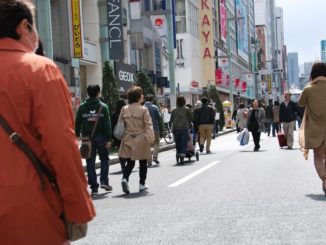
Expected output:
(223, 20)
(115, 30)
(242, 30)
(77, 39)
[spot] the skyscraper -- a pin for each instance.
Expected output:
(293, 70)
(323, 50)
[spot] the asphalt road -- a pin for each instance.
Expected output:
(232, 196)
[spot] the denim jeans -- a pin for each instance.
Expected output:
(181, 138)
(99, 144)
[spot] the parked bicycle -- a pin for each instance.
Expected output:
(167, 134)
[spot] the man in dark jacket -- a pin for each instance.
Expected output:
(155, 115)
(204, 119)
(288, 110)
(101, 141)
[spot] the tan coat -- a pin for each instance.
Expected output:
(313, 99)
(139, 135)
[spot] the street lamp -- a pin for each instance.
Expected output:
(230, 57)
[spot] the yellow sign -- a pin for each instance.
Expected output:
(269, 83)
(206, 25)
(76, 29)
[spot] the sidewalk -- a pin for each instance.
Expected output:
(114, 159)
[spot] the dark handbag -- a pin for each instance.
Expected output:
(86, 145)
(74, 231)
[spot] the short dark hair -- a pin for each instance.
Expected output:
(134, 94)
(181, 101)
(93, 90)
(318, 70)
(40, 49)
(149, 97)
(12, 12)
(204, 100)
(276, 102)
(242, 105)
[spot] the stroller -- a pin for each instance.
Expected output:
(190, 148)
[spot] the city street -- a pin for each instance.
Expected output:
(232, 196)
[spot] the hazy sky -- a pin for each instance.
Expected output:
(304, 27)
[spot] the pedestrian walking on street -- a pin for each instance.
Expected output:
(137, 139)
(242, 115)
(88, 112)
(155, 116)
(35, 103)
(313, 99)
(204, 119)
(288, 110)
(114, 120)
(276, 118)
(181, 118)
(256, 123)
(269, 117)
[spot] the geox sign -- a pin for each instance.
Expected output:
(115, 30)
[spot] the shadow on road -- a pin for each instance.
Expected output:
(317, 197)
(101, 196)
(251, 151)
(185, 163)
(134, 195)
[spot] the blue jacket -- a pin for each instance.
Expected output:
(155, 115)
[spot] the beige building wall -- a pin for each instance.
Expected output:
(207, 42)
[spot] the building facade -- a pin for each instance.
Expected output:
(293, 70)
(323, 50)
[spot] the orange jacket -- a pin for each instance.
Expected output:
(35, 101)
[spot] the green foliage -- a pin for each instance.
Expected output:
(143, 81)
(110, 90)
(213, 94)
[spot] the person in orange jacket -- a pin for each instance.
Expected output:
(35, 101)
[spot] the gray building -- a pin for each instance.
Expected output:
(307, 68)
(293, 70)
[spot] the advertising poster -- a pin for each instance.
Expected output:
(223, 20)
(76, 29)
(242, 30)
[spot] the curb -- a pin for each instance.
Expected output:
(166, 147)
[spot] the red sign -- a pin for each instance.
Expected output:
(194, 84)
(236, 82)
(159, 22)
(218, 77)
(244, 86)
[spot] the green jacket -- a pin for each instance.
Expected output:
(86, 116)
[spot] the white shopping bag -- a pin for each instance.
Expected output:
(243, 137)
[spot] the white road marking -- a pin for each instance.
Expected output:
(192, 175)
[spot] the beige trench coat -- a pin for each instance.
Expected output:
(313, 98)
(139, 135)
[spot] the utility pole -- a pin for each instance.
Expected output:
(170, 37)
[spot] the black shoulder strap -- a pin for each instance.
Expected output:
(96, 120)
(40, 168)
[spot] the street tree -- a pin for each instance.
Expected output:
(110, 90)
(215, 97)
(143, 81)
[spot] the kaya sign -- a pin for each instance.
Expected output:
(207, 41)
(115, 30)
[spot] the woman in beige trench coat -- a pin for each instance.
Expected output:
(137, 139)
(313, 99)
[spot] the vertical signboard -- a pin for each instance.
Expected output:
(223, 20)
(242, 30)
(207, 41)
(115, 30)
(76, 29)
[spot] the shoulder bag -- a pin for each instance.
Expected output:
(119, 129)
(86, 145)
(74, 231)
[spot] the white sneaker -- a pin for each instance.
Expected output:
(143, 187)
(125, 186)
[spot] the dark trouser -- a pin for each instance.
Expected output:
(99, 144)
(269, 124)
(256, 137)
(276, 127)
(142, 170)
(181, 137)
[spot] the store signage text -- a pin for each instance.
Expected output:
(206, 22)
(76, 29)
(126, 76)
(115, 30)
